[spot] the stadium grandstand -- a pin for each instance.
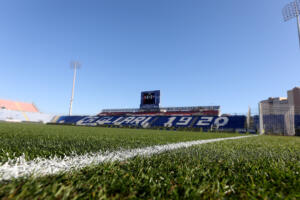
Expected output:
(151, 115)
(18, 106)
(14, 111)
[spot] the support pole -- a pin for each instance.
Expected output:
(74, 81)
(298, 24)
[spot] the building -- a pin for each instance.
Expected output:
(294, 99)
(278, 103)
(274, 104)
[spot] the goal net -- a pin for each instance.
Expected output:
(277, 119)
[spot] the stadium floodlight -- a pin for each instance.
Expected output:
(74, 65)
(290, 11)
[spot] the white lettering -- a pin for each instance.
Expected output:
(221, 121)
(87, 121)
(138, 120)
(170, 122)
(127, 120)
(118, 121)
(104, 120)
(204, 121)
(184, 121)
(145, 123)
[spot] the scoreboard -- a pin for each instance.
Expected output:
(150, 99)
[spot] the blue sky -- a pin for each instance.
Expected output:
(230, 53)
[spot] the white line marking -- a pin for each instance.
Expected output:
(19, 167)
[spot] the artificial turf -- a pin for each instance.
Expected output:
(45, 141)
(263, 167)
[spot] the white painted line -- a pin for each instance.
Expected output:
(19, 167)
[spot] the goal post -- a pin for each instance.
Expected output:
(261, 120)
(277, 119)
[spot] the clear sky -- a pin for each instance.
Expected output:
(197, 52)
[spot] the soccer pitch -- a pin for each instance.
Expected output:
(117, 163)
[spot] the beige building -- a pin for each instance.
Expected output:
(294, 97)
(276, 103)
(273, 105)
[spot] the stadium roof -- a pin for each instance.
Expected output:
(19, 106)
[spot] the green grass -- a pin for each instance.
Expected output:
(264, 167)
(37, 140)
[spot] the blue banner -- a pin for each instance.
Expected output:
(204, 122)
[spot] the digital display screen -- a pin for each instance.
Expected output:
(149, 98)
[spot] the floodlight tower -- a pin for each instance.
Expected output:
(75, 65)
(290, 11)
